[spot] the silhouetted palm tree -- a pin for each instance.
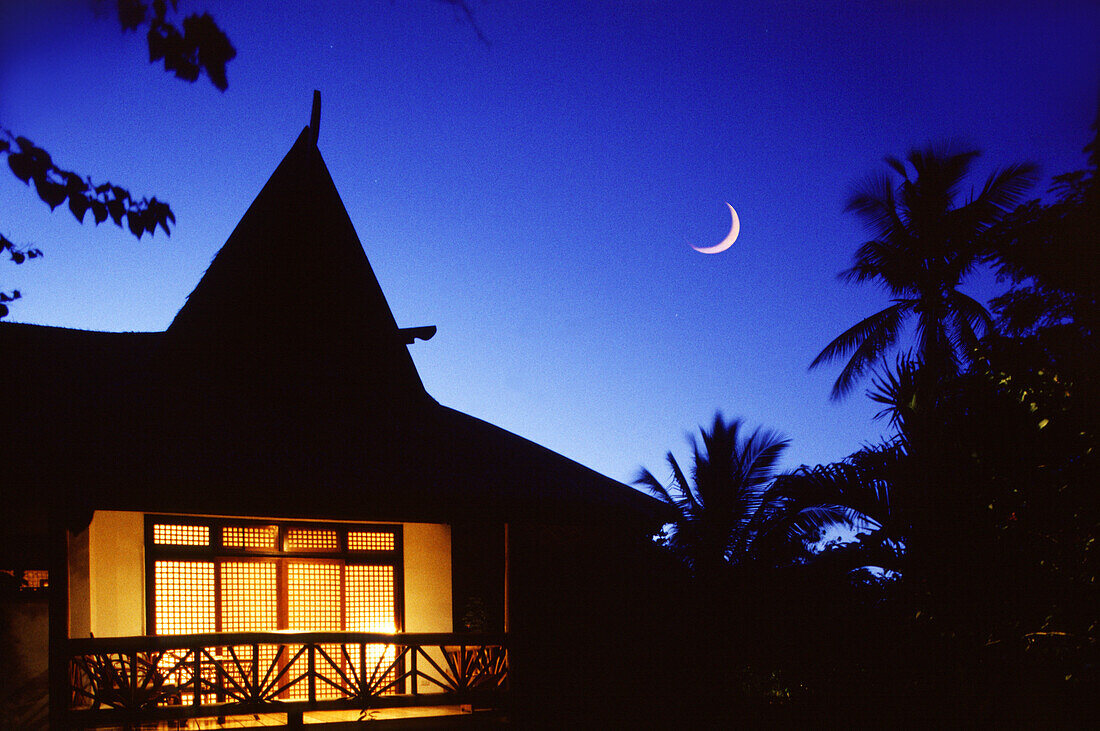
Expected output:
(730, 476)
(803, 504)
(735, 509)
(924, 246)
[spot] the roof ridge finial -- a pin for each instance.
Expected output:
(315, 116)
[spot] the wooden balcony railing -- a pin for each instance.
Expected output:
(134, 679)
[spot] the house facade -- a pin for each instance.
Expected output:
(262, 510)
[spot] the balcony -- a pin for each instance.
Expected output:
(129, 680)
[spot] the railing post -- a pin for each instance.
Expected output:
(256, 667)
(133, 677)
(363, 683)
(413, 677)
(312, 668)
(196, 699)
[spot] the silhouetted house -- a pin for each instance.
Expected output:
(271, 464)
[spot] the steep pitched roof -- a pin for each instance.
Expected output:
(292, 282)
(283, 387)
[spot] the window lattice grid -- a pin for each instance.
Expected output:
(313, 604)
(184, 597)
(370, 599)
(371, 541)
(174, 534)
(247, 536)
(36, 578)
(370, 607)
(312, 539)
(313, 596)
(249, 601)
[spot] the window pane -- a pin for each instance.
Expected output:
(249, 599)
(373, 541)
(313, 596)
(184, 597)
(308, 539)
(168, 534)
(262, 536)
(369, 597)
(370, 600)
(313, 604)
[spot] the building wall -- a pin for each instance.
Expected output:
(107, 577)
(116, 573)
(80, 617)
(427, 577)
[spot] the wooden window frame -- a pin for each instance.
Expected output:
(218, 554)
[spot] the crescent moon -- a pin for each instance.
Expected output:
(735, 228)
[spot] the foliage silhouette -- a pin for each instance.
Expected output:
(719, 506)
(982, 503)
(734, 509)
(201, 46)
(925, 244)
(1048, 252)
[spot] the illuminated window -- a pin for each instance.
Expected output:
(305, 580)
(249, 596)
(370, 603)
(27, 580)
(310, 539)
(313, 596)
(181, 535)
(373, 541)
(184, 597)
(256, 537)
(36, 579)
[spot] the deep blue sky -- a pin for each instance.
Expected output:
(536, 199)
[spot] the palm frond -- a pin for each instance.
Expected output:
(761, 453)
(937, 352)
(890, 262)
(896, 389)
(897, 165)
(878, 335)
(941, 169)
(682, 483)
(842, 484)
(873, 201)
(854, 336)
(1005, 188)
(654, 487)
(971, 321)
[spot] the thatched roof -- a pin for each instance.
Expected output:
(283, 387)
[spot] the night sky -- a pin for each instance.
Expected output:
(536, 198)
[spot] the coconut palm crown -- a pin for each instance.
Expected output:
(735, 509)
(925, 245)
(730, 475)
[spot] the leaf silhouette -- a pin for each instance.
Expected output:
(53, 194)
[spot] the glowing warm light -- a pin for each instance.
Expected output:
(263, 536)
(249, 597)
(309, 539)
(181, 535)
(36, 579)
(184, 597)
(375, 541)
(313, 596)
(370, 598)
